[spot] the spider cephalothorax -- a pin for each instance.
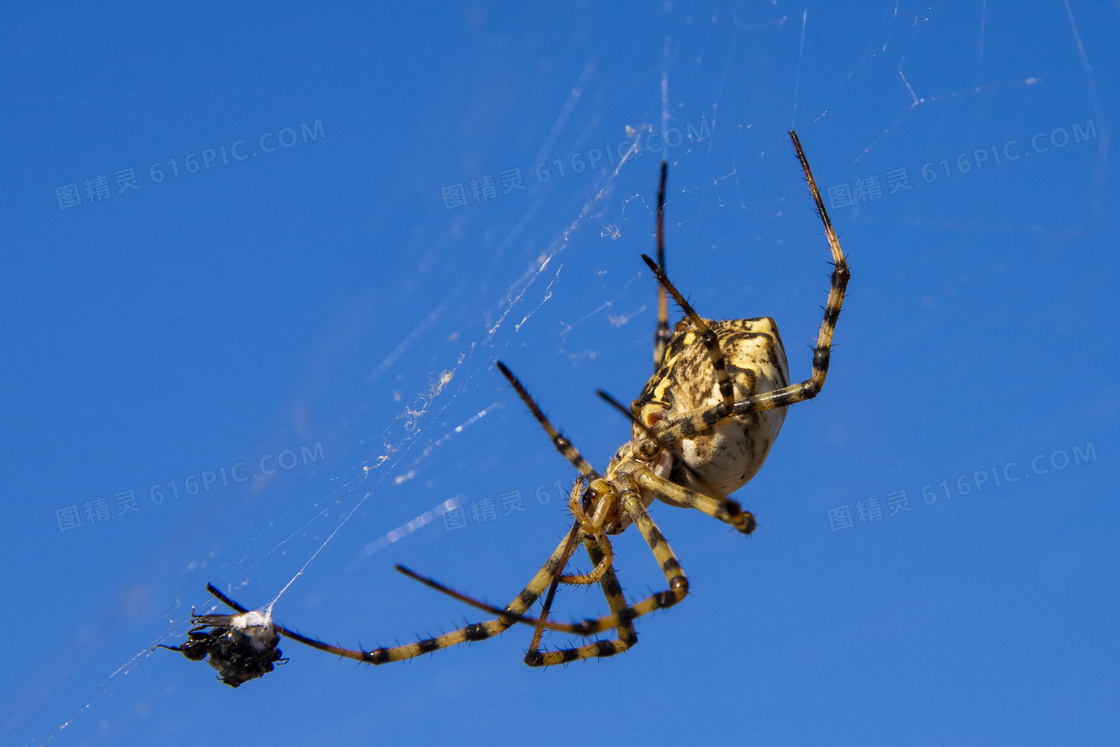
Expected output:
(701, 428)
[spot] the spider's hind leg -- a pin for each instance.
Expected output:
(621, 617)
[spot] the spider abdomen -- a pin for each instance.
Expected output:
(730, 453)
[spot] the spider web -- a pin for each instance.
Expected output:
(430, 460)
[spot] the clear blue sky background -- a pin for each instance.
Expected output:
(281, 274)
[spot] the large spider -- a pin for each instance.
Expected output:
(701, 429)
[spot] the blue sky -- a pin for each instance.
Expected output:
(258, 263)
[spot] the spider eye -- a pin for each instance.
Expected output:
(649, 449)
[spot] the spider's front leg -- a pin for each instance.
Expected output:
(692, 423)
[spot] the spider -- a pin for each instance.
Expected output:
(701, 429)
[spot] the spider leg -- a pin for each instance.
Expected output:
(619, 619)
(742, 520)
(546, 607)
(540, 622)
(662, 335)
(603, 561)
(476, 632)
(692, 423)
(563, 445)
(626, 635)
(707, 336)
(606, 558)
(621, 616)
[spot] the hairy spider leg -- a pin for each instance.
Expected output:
(563, 445)
(627, 494)
(540, 623)
(627, 637)
(670, 567)
(590, 525)
(702, 420)
(602, 558)
(546, 607)
(612, 590)
(621, 615)
(742, 520)
(514, 613)
(663, 334)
